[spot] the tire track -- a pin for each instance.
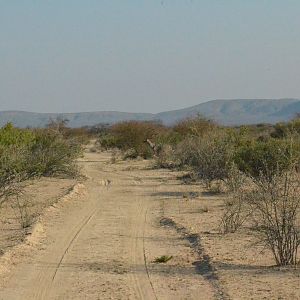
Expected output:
(145, 258)
(46, 275)
(97, 248)
(86, 222)
(141, 280)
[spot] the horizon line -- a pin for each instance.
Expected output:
(148, 113)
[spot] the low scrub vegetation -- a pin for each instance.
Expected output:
(134, 138)
(51, 154)
(209, 156)
(257, 165)
(26, 154)
(275, 215)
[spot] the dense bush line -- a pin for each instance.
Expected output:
(258, 164)
(25, 154)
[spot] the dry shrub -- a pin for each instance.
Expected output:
(81, 135)
(233, 216)
(269, 196)
(198, 126)
(21, 207)
(132, 135)
(114, 157)
(276, 215)
(235, 179)
(12, 161)
(130, 154)
(210, 156)
(236, 211)
(167, 158)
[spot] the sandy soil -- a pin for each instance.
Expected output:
(244, 269)
(100, 243)
(37, 195)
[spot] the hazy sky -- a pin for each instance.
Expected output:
(146, 56)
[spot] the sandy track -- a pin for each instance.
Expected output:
(101, 245)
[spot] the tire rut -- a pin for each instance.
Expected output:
(142, 281)
(85, 222)
(145, 257)
(46, 276)
(97, 247)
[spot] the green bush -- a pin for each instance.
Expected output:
(31, 153)
(50, 154)
(108, 141)
(266, 158)
(10, 135)
(131, 136)
(168, 136)
(283, 130)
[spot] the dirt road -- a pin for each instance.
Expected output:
(102, 244)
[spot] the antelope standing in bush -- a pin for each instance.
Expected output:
(156, 148)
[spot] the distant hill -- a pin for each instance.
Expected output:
(226, 112)
(237, 112)
(29, 119)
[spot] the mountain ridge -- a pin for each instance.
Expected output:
(224, 111)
